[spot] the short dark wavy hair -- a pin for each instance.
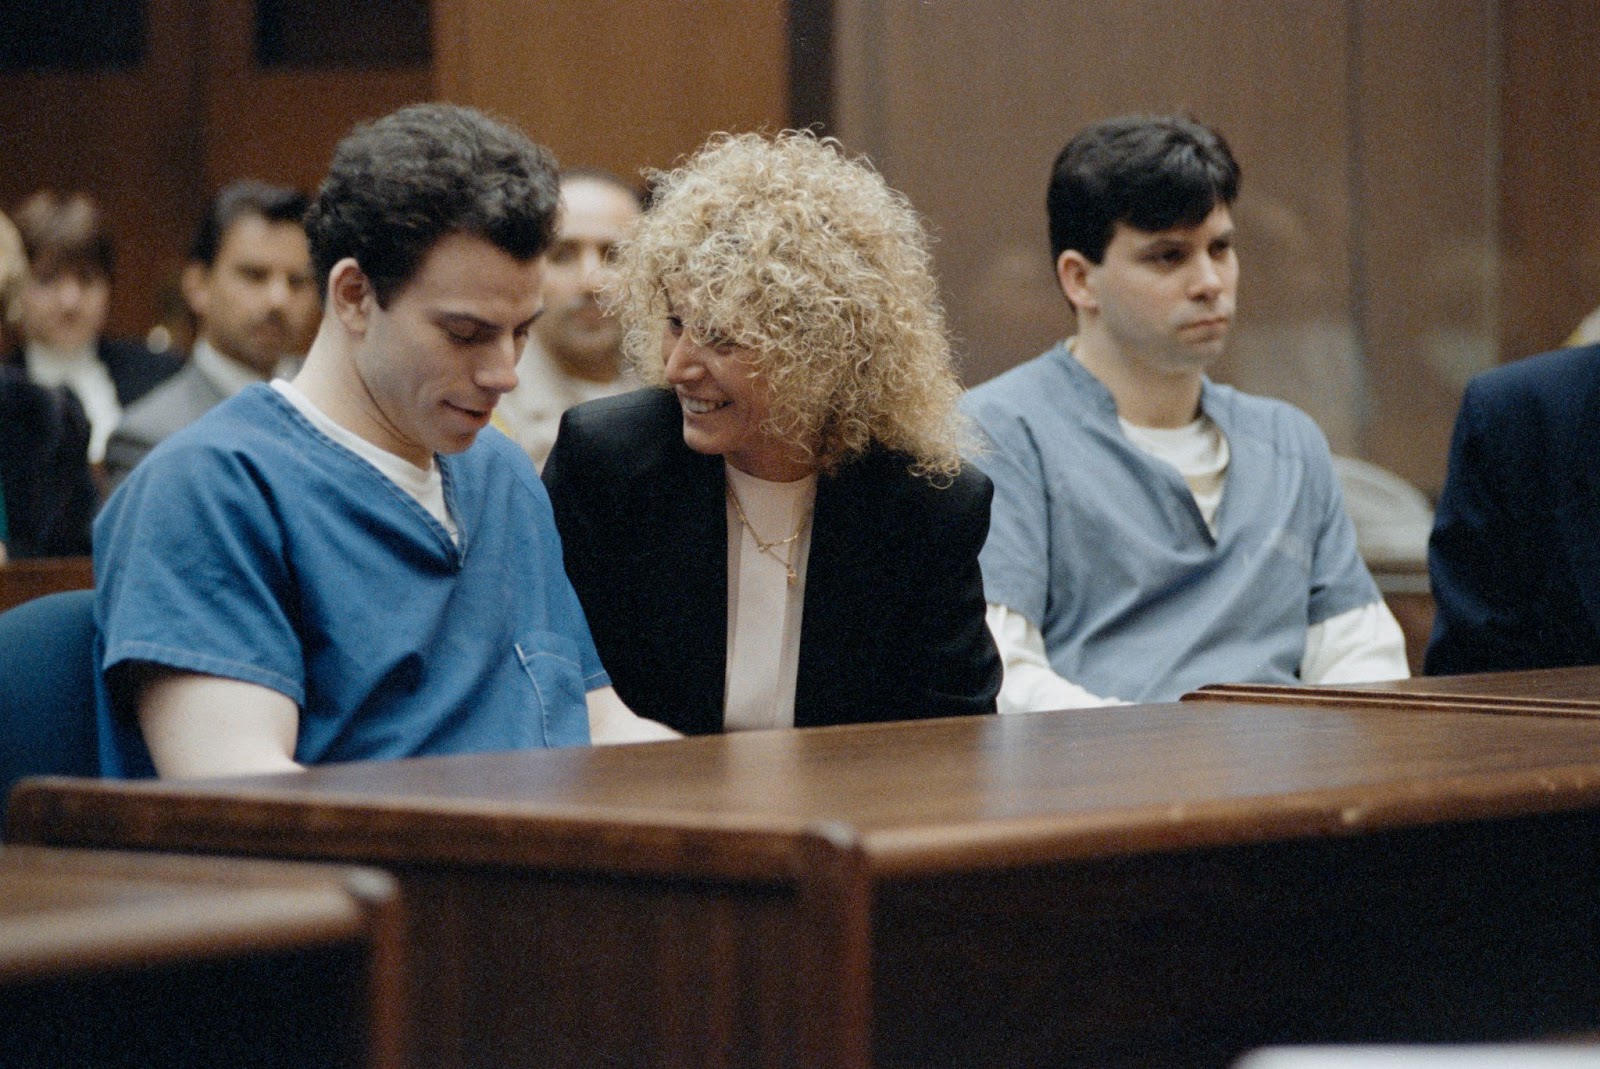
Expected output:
(1152, 172)
(398, 185)
(244, 200)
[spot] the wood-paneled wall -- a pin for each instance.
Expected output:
(1419, 200)
(155, 142)
(1549, 190)
(620, 84)
(130, 138)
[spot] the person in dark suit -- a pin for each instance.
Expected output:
(47, 498)
(62, 311)
(780, 532)
(1515, 552)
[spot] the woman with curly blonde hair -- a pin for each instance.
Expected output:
(780, 532)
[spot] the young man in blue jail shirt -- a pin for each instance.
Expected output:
(343, 567)
(1154, 531)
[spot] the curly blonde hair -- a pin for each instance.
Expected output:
(785, 247)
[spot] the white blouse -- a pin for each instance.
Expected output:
(764, 607)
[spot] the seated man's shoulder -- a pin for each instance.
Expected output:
(620, 423)
(174, 404)
(496, 447)
(494, 455)
(1284, 425)
(247, 425)
(1551, 376)
(1032, 385)
(1033, 411)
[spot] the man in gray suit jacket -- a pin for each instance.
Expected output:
(249, 284)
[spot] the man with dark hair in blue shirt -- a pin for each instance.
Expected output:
(350, 566)
(1153, 531)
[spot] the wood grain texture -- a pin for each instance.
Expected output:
(620, 84)
(1544, 692)
(1151, 885)
(1549, 204)
(962, 793)
(154, 143)
(1451, 933)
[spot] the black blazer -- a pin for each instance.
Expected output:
(44, 469)
(1515, 552)
(893, 625)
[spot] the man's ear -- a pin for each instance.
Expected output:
(350, 295)
(1073, 271)
(192, 280)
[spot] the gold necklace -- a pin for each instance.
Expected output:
(770, 548)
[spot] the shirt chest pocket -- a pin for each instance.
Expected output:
(552, 664)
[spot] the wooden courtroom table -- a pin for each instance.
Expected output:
(24, 580)
(1163, 885)
(1571, 692)
(140, 960)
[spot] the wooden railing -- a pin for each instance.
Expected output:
(24, 580)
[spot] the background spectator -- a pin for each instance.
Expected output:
(61, 312)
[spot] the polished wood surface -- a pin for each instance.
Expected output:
(1570, 692)
(913, 797)
(24, 580)
(1149, 885)
(120, 959)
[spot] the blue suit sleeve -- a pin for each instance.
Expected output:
(1476, 587)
